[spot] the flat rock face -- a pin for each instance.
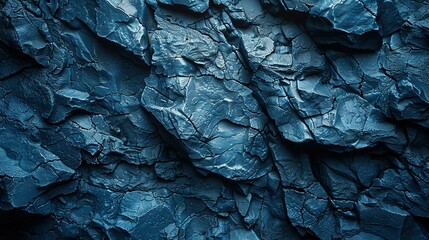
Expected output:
(350, 23)
(223, 119)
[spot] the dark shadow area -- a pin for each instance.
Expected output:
(15, 223)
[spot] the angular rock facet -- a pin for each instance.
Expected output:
(223, 119)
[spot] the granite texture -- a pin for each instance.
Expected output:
(222, 119)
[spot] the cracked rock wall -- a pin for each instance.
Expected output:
(222, 119)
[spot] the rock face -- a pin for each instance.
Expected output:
(223, 119)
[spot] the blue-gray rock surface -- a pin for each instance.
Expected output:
(223, 119)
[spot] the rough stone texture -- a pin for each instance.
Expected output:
(223, 119)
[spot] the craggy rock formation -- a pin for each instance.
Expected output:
(222, 119)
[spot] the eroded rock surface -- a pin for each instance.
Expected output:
(223, 119)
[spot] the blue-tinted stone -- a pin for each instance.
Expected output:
(223, 119)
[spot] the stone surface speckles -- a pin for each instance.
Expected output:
(222, 119)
